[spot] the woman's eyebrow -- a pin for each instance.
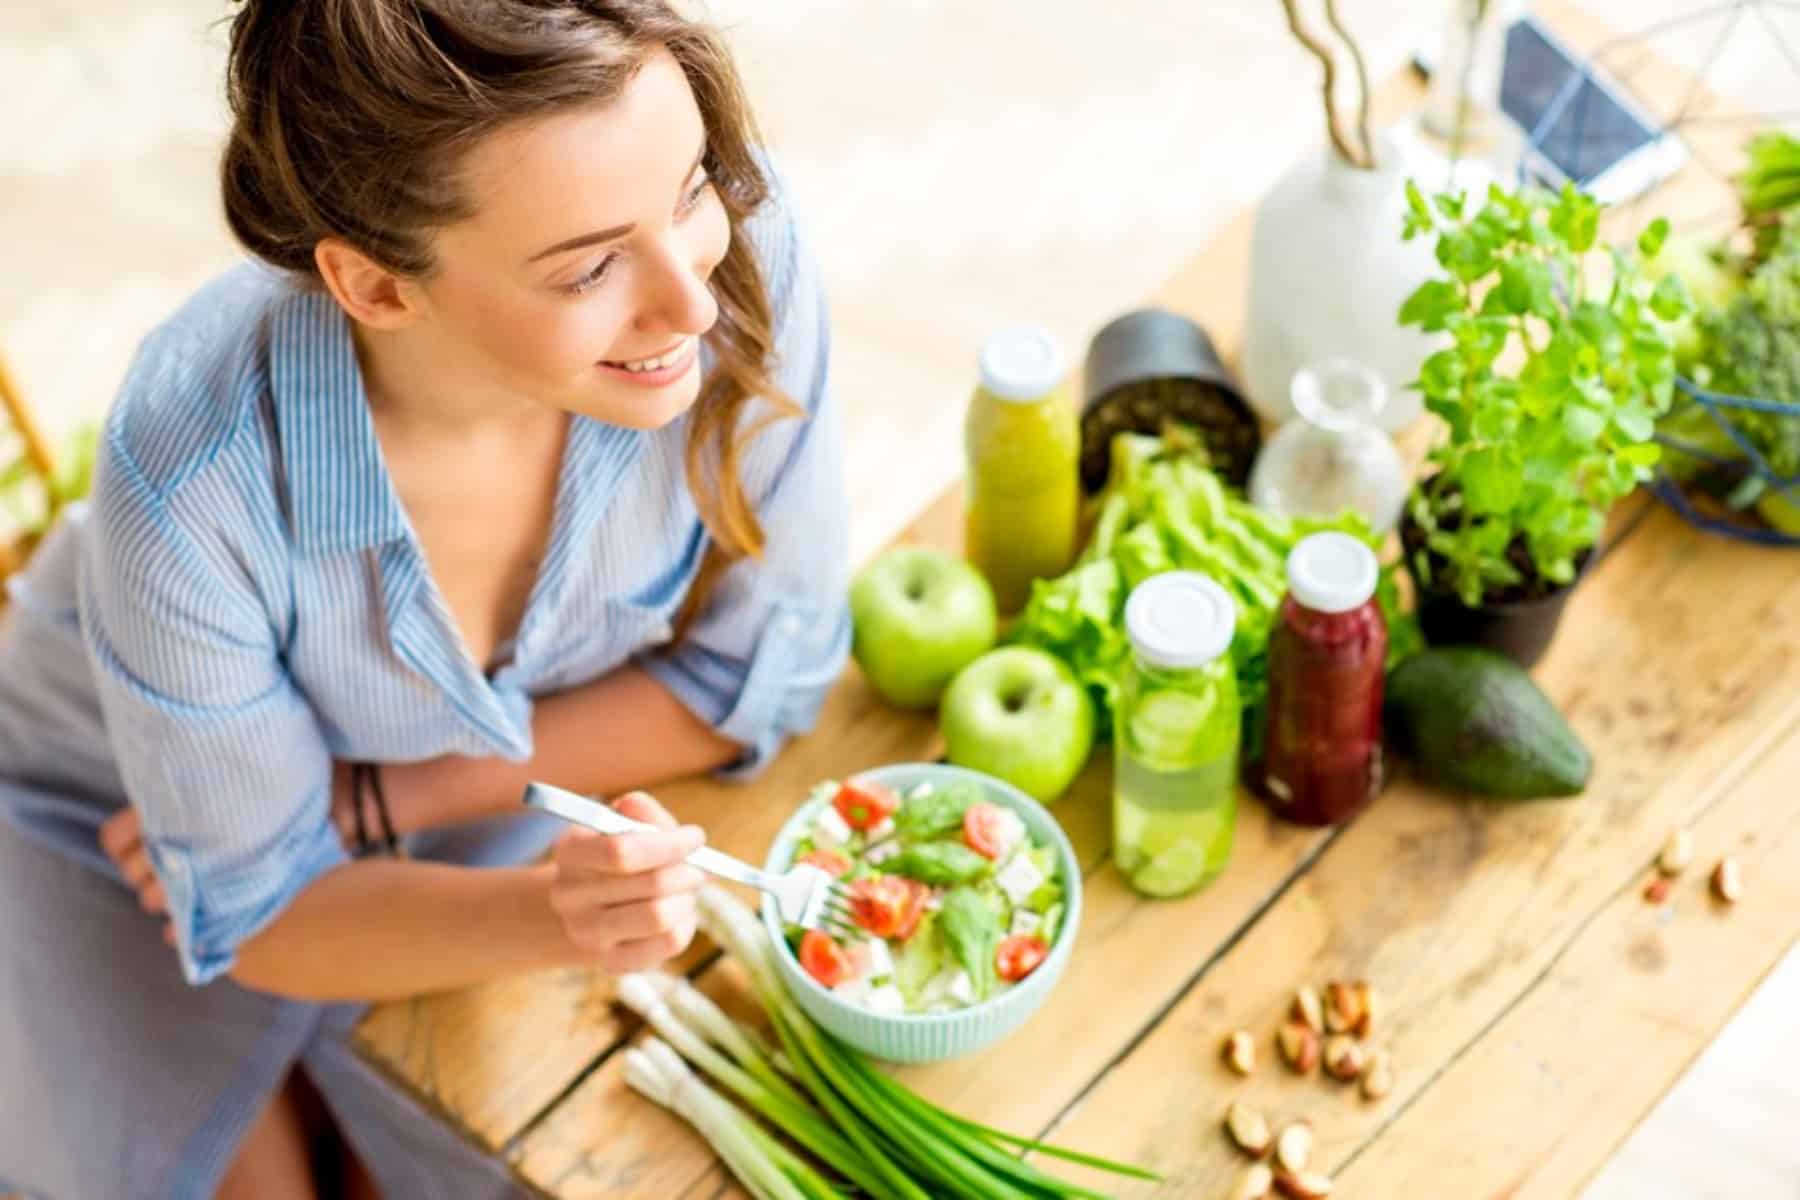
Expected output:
(606, 235)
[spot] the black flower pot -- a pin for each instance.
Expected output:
(1521, 629)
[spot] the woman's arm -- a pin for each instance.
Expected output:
(620, 732)
(378, 929)
(381, 928)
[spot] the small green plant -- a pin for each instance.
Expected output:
(27, 504)
(1559, 364)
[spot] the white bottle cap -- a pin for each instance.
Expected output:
(1332, 572)
(1179, 619)
(1021, 362)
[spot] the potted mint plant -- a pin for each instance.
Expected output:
(1559, 364)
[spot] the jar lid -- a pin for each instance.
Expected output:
(1179, 619)
(1021, 362)
(1332, 572)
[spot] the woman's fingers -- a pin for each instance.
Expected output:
(649, 919)
(136, 868)
(643, 954)
(642, 806)
(584, 852)
(121, 837)
(602, 891)
(120, 832)
(628, 899)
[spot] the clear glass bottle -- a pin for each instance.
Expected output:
(1322, 760)
(1022, 485)
(1460, 139)
(1176, 736)
(1334, 455)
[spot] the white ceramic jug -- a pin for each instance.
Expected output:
(1328, 273)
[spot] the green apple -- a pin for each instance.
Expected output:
(1020, 715)
(918, 617)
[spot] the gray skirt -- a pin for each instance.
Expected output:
(118, 1079)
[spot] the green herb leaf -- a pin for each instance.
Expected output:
(936, 813)
(1670, 299)
(1430, 303)
(1650, 242)
(971, 929)
(939, 864)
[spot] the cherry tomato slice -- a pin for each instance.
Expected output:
(829, 861)
(824, 959)
(1020, 955)
(909, 924)
(986, 830)
(883, 904)
(865, 805)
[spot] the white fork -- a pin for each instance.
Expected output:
(805, 895)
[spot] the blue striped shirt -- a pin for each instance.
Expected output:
(243, 599)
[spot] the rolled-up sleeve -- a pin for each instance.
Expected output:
(759, 661)
(220, 754)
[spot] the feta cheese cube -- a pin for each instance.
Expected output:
(921, 791)
(934, 901)
(937, 988)
(962, 988)
(1025, 923)
(854, 991)
(1011, 830)
(881, 831)
(830, 830)
(886, 999)
(881, 962)
(1019, 878)
(878, 854)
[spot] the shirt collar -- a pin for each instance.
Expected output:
(340, 495)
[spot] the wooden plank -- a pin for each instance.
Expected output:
(1454, 910)
(491, 1059)
(609, 1141)
(456, 1054)
(1552, 1088)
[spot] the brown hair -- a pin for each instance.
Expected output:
(350, 117)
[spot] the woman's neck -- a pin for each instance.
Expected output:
(420, 391)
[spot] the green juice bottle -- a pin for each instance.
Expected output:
(1176, 736)
(1022, 487)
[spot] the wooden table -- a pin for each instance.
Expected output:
(1535, 1005)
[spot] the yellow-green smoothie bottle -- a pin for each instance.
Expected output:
(1022, 445)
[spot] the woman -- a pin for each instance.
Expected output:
(511, 459)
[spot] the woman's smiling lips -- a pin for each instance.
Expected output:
(658, 370)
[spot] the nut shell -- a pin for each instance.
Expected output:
(1249, 1130)
(1299, 1047)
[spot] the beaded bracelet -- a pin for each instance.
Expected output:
(365, 780)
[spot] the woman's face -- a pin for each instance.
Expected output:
(581, 280)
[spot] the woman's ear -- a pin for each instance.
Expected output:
(370, 293)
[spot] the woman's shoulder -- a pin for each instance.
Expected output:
(196, 382)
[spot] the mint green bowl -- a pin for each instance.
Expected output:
(931, 1037)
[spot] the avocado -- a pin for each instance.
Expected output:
(1473, 721)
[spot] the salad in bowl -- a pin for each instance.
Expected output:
(963, 894)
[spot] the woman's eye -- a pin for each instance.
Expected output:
(593, 277)
(690, 201)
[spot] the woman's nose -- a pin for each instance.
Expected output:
(676, 298)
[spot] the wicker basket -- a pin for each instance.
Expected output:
(16, 417)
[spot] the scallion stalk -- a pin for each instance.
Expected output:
(902, 1137)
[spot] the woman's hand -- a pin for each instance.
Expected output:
(627, 900)
(122, 837)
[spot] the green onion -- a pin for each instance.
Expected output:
(657, 1071)
(783, 1106)
(913, 1149)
